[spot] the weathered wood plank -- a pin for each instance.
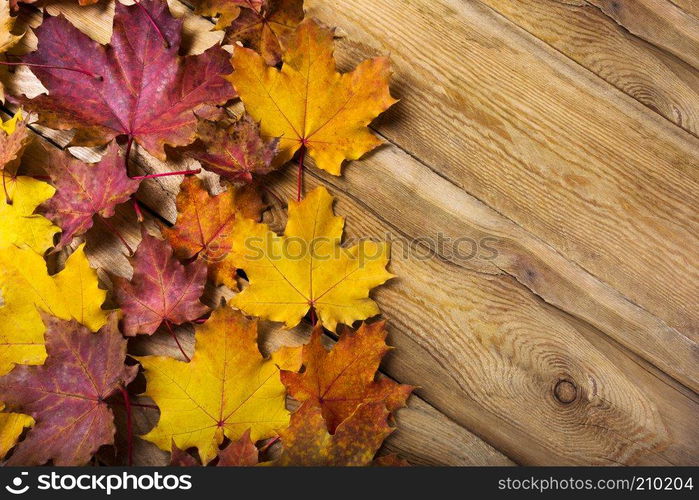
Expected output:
(488, 354)
(584, 33)
(661, 22)
(422, 204)
(493, 354)
(423, 436)
(437, 357)
(543, 141)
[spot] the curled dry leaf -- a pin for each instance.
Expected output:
(235, 152)
(307, 443)
(204, 225)
(342, 379)
(308, 104)
(239, 453)
(268, 30)
(134, 87)
(162, 289)
(225, 10)
(307, 268)
(14, 139)
(7, 38)
(67, 395)
(84, 190)
(226, 389)
(27, 289)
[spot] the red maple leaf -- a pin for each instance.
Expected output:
(162, 289)
(84, 190)
(234, 151)
(137, 86)
(67, 395)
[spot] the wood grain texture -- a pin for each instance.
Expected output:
(424, 436)
(541, 140)
(479, 376)
(489, 354)
(513, 352)
(584, 33)
(661, 22)
(424, 205)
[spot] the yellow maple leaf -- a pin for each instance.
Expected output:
(7, 39)
(308, 103)
(19, 225)
(26, 288)
(10, 126)
(307, 267)
(11, 427)
(226, 389)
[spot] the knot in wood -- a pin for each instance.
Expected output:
(565, 391)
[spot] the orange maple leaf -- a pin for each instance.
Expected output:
(204, 225)
(308, 104)
(355, 442)
(342, 379)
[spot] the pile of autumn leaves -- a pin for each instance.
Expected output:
(64, 355)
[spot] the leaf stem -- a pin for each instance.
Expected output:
(167, 174)
(129, 424)
(8, 200)
(152, 22)
(140, 405)
(51, 66)
(127, 154)
(299, 181)
(116, 233)
(314, 320)
(177, 341)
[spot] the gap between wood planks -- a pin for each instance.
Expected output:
(163, 188)
(671, 382)
(496, 6)
(483, 452)
(620, 356)
(654, 328)
(682, 378)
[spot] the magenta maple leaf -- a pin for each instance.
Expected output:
(162, 289)
(135, 86)
(84, 190)
(67, 395)
(234, 152)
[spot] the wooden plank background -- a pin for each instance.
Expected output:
(563, 134)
